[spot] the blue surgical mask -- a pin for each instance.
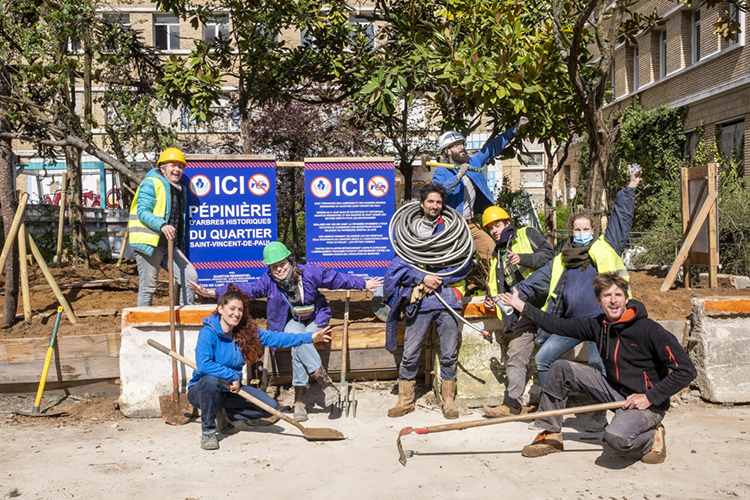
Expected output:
(582, 239)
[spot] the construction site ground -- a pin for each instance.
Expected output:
(95, 452)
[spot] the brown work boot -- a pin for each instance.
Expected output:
(405, 402)
(658, 451)
(447, 394)
(545, 443)
(500, 411)
(330, 391)
(300, 400)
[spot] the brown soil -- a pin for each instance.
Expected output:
(671, 305)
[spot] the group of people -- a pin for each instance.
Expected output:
(558, 300)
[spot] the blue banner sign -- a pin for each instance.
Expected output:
(348, 205)
(231, 217)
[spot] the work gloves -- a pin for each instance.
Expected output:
(462, 170)
(521, 122)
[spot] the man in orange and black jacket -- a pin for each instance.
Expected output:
(645, 366)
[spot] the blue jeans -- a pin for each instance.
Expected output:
(148, 274)
(556, 346)
(207, 395)
(305, 358)
(631, 432)
(416, 330)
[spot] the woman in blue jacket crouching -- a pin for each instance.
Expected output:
(228, 340)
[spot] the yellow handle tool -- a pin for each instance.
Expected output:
(47, 361)
(451, 166)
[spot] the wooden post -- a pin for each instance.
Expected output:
(61, 223)
(52, 283)
(24, 273)
(684, 184)
(11, 238)
(124, 244)
(713, 231)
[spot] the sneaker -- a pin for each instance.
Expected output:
(209, 441)
(597, 422)
(500, 411)
(658, 451)
(223, 422)
(545, 443)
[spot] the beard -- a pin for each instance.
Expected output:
(459, 158)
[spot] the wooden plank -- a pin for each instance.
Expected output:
(713, 232)
(85, 284)
(95, 312)
(705, 209)
(362, 338)
(25, 372)
(228, 157)
(355, 159)
(290, 164)
(76, 346)
(685, 190)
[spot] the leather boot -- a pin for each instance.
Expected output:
(447, 394)
(330, 391)
(405, 402)
(300, 400)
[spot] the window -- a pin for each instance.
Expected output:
(732, 139)
(118, 24)
(74, 45)
(696, 36)
(663, 54)
(215, 28)
(364, 27)
(635, 69)
(167, 32)
(531, 159)
(736, 16)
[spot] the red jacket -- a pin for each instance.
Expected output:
(637, 352)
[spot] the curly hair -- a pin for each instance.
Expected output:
(593, 220)
(246, 332)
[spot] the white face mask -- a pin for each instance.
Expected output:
(582, 239)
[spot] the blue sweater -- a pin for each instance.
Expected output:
(218, 355)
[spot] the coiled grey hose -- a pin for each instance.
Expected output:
(452, 247)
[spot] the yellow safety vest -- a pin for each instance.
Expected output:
(520, 244)
(605, 260)
(139, 232)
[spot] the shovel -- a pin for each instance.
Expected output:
(175, 407)
(321, 434)
(499, 420)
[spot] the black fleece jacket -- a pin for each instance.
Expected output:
(637, 352)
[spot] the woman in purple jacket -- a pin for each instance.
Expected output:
(228, 340)
(295, 305)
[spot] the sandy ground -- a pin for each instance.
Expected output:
(113, 457)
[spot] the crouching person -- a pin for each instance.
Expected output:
(228, 340)
(645, 366)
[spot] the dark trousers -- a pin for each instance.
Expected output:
(631, 432)
(416, 330)
(519, 352)
(208, 396)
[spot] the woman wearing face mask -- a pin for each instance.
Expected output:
(228, 340)
(295, 305)
(567, 280)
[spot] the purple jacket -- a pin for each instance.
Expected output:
(313, 277)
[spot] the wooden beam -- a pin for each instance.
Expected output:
(713, 231)
(78, 369)
(24, 273)
(696, 227)
(76, 346)
(85, 284)
(10, 238)
(61, 222)
(50, 279)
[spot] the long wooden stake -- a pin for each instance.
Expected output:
(124, 244)
(52, 283)
(11, 237)
(61, 223)
(24, 273)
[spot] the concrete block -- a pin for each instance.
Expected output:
(146, 373)
(721, 334)
(740, 282)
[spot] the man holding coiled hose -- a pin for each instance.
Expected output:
(423, 293)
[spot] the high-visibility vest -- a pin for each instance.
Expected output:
(605, 259)
(139, 232)
(521, 244)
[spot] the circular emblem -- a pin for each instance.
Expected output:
(378, 186)
(258, 184)
(200, 185)
(320, 187)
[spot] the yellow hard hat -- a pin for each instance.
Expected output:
(171, 154)
(493, 214)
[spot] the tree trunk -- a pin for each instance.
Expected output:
(601, 145)
(295, 235)
(550, 224)
(245, 125)
(407, 170)
(9, 204)
(77, 218)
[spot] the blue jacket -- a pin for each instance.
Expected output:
(147, 201)
(454, 186)
(617, 233)
(313, 277)
(218, 355)
(399, 282)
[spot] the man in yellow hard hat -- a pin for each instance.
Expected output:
(159, 214)
(517, 254)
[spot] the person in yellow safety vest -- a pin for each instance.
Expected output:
(567, 280)
(518, 253)
(158, 214)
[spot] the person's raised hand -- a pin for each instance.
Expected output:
(462, 170)
(634, 172)
(201, 290)
(373, 283)
(323, 335)
(513, 300)
(521, 122)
